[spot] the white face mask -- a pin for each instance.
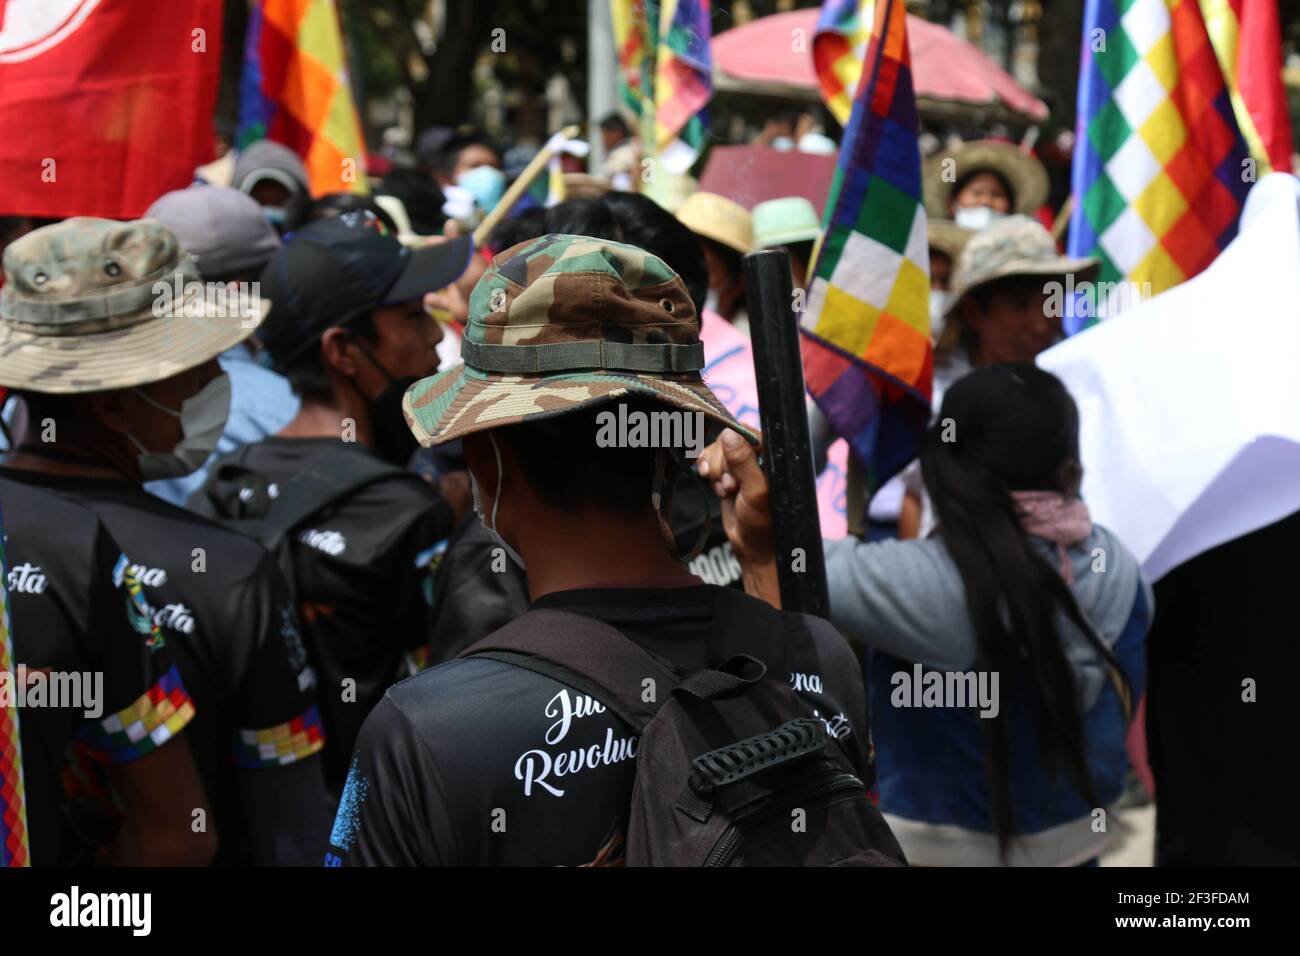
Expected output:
(203, 419)
(491, 528)
(939, 299)
(976, 217)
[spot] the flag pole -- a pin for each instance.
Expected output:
(520, 186)
(787, 448)
(1063, 217)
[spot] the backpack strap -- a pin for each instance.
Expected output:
(330, 478)
(586, 654)
(604, 663)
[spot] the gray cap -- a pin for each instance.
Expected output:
(223, 228)
(267, 159)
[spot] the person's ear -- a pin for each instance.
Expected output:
(337, 352)
(111, 410)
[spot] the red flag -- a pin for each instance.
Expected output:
(1259, 66)
(104, 105)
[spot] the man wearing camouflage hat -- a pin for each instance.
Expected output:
(110, 340)
(569, 339)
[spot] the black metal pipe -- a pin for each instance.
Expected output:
(787, 453)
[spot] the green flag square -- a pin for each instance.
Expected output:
(886, 215)
(1108, 131)
(1103, 203)
(1116, 58)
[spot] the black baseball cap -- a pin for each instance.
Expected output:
(334, 271)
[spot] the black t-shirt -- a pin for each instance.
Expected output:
(361, 572)
(224, 611)
(1222, 751)
(76, 609)
(479, 762)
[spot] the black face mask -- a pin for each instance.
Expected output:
(393, 440)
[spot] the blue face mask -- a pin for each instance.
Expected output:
(275, 215)
(486, 184)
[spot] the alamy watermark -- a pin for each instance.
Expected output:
(194, 299)
(923, 688)
(660, 429)
(1093, 300)
(42, 687)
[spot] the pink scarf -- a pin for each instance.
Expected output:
(1061, 519)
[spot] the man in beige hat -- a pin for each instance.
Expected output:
(108, 335)
(726, 232)
(1002, 292)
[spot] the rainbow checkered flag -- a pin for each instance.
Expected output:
(683, 72)
(635, 53)
(295, 91)
(839, 48)
(1159, 174)
(868, 360)
(13, 810)
(666, 73)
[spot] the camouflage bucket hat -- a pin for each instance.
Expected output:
(1014, 246)
(92, 304)
(559, 323)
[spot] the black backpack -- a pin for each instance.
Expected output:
(732, 767)
(241, 498)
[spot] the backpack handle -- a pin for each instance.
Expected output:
(793, 740)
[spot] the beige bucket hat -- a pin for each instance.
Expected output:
(718, 218)
(90, 305)
(1014, 246)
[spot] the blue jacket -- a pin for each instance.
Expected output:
(905, 600)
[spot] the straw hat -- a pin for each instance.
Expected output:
(1022, 172)
(92, 304)
(718, 218)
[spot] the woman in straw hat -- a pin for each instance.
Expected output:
(726, 231)
(983, 180)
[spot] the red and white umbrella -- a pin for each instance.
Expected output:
(771, 56)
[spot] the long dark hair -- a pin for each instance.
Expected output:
(1001, 429)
